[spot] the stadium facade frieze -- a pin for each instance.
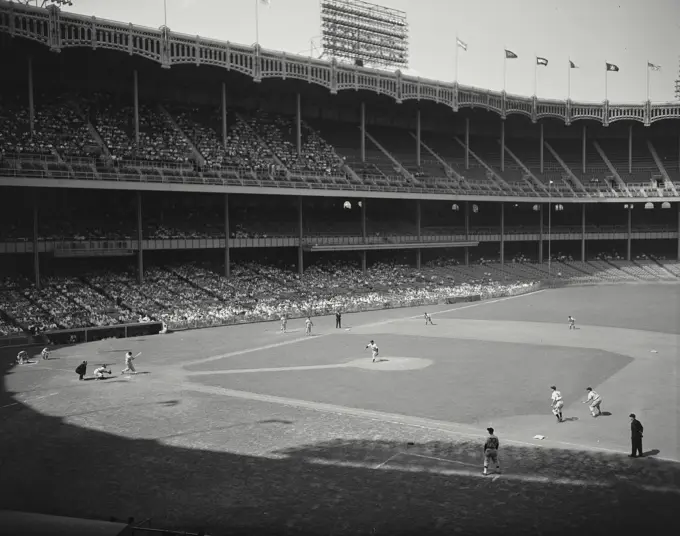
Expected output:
(307, 191)
(60, 30)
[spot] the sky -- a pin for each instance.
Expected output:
(627, 33)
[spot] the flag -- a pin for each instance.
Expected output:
(461, 44)
(541, 61)
(653, 67)
(612, 67)
(509, 54)
(572, 65)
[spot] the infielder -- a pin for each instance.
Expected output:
(308, 326)
(572, 322)
(557, 403)
(428, 319)
(374, 350)
(595, 400)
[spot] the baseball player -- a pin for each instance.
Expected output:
(374, 350)
(99, 372)
(428, 319)
(594, 400)
(129, 367)
(491, 452)
(557, 403)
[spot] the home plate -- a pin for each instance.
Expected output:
(391, 363)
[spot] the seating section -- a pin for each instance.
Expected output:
(191, 294)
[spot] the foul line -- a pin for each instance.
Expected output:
(492, 477)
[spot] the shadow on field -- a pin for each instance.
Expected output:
(339, 487)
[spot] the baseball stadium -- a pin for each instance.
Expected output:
(219, 232)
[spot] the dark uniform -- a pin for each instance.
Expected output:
(338, 320)
(81, 370)
(635, 436)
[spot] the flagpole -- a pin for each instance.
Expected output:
(455, 61)
(165, 13)
(569, 79)
(606, 73)
(535, 75)
(647, 79)
(505, 68)
(257, 22)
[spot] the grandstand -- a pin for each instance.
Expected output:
(142, 181)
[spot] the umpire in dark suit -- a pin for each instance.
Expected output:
(635, 436)
(338, 320)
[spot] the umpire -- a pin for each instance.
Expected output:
(635, 437)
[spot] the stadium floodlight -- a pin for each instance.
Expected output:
(347, 205)
(475, 209)
(628, 207)
(536, 208)
(649, 206)
(364, 34)
(455, 207)
(665, 204)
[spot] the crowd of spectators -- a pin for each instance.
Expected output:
(193, 294)
(243, 150)
(316, 155)
(159, 141)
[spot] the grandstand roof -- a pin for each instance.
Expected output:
(58, 30)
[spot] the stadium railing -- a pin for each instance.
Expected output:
(122, 176)
(118, 331)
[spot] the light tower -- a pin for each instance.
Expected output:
(677, 84)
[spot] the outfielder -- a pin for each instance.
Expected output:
(428, 319)
(572, 322)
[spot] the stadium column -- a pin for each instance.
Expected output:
(301, 259)
(418, 138)
(224, 115)
(467, 232)
(467, 143)
(540, 234)
(630, 148)
(502, 145)
(227, 234)
(140, 248)
(629, 238)
(31, 107)
(502, 235)
(363, 234)
(540, 148)
(363, 131)
(583, 149)
(583, 232)
(135, 92)
(418, 217)
(298, 124)
(36, 253)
